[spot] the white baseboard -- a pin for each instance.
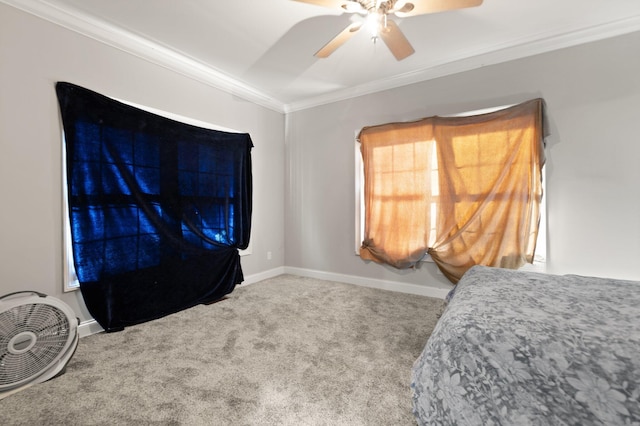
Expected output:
(416, 289)
(254, 278)
(89, 327)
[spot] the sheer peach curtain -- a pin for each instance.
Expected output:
(466, 190)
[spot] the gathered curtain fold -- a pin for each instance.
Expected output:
(465, 190)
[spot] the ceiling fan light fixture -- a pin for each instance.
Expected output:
(373, 24)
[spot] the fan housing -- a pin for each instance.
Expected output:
(38, 337)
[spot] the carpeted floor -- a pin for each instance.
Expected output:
(285, 351)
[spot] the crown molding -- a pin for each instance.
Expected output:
(153, 52)
(517, 49)
(148, 50)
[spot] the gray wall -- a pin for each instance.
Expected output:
(34, 54)
(304, 164)
(593, 155)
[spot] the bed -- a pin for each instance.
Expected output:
(525, 348)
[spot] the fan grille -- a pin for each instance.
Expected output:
(32, 336)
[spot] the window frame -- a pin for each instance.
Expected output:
(540, 258)
(69, 277)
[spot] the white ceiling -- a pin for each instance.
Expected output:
(262, 50)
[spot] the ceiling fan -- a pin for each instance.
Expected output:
(377, 22)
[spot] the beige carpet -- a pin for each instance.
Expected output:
(285, 351)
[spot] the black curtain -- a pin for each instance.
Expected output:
(158, 209)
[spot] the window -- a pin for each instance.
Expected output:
(70, 279)
(432, 153)
(413, 207)
(158, 208)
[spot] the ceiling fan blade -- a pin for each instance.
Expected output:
(344, 5)
(396, 41)
(404, 9)
(338, 40)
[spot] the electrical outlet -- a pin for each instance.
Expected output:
(268, 255)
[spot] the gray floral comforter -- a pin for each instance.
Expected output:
(522, 348)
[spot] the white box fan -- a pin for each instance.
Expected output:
(38, 337)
